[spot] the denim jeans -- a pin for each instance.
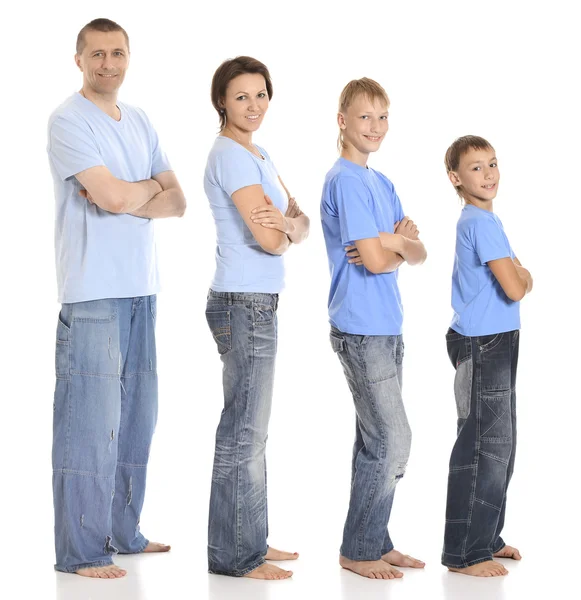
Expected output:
(373, 368)
(244, 327)
(105, 410)
(482, 459)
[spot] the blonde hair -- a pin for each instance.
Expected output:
(355, 88)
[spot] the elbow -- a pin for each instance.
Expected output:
(181, 207)
(516, 296)
(115, 204)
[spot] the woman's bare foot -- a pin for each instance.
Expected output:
(398, 559)
(156, 547)
(489, 568)
(274, 554)
(106, 572)
(374, 569)
(509, 552)
(269, 572)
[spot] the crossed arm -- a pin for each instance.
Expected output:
(387, 252)
(155, 198)
(514, 279)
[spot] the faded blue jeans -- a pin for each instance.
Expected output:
(373, 369)
(105, 410)
(482, 459)
(244, 327)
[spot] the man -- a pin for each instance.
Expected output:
(111, 178)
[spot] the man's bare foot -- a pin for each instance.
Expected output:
(489, 568)
(374, 569)
(269, 572)
(274, 554)
(106, 572)
(509, 552)
(397, 559)
(156, 547)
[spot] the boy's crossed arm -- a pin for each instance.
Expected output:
(386, 253)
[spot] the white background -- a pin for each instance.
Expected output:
(507, 71)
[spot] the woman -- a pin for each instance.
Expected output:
(256, 222)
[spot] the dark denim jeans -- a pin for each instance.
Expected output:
(373, 369)
(482, 459)
(105, 410)
(244, 327)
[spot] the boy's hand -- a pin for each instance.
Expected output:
(525, 275)
(407, 228)
(353, 256)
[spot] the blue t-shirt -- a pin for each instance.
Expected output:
(480, 305)
(101, 254)
(241, 264)
(358, 203)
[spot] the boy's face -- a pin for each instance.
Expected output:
(364, 124)
(478, 175)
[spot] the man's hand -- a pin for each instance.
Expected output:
(407, 228)
(269, 216)
(85, 194)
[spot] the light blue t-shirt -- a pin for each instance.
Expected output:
(241, 264)
(358, 203)
(101, 254)
(480, 305)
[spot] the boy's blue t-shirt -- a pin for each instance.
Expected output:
(480, 305)
(241, 264)
(357, 203)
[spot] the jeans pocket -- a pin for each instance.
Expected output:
(219, 323)
(463, 388)
(262, 314)
(337, 342)
(489, 342)
(62, 351)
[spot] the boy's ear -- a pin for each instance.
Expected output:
(454, 178)
(341, 121)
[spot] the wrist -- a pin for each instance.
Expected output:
(290, 227)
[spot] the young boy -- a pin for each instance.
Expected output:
(488, 282)
(368, 238)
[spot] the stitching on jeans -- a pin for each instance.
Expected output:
(487, 504)
(493, 457)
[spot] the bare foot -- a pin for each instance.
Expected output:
(374, 569)
(269, 572)
(402, 560)
(509, 552)
(274, 554)
(489, 568)
(106, 572)
(156, 547)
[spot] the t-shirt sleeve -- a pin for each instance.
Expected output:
(356, 219)
(235, 169)
(159, 160)
(72, 147)
(398, 213)
(490, 241)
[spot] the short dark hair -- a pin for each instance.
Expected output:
(459, 148)
(103, 25)
(226, 72)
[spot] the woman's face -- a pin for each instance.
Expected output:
(246, 102)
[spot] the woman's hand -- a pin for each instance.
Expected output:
(293, 209)
(269, 216)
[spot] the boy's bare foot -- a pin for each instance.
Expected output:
(106, 572)
(374, 569)
(489, 568)
(398, 559)
(156, 547)
(266, 571)
(509, 552)
(274, 554)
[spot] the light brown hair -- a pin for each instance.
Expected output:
(103, 25)
(459, 148)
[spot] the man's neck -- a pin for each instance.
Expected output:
(106, 102)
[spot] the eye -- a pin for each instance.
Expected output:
(118, 53)
(384, 117)
(364, 116)
(98, 54)
(262, 95)
(494, 165)
(241, 98)
(476, 168)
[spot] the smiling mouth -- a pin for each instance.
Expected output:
(253, 117)
(373, 138)
(107, 75)
(490, 186)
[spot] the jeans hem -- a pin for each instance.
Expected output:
(359, 559)
(466, 563)
(499, 549)
(237, 573)
(75, 568)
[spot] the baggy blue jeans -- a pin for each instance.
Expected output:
(105, 410)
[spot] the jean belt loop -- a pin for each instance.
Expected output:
(229, 298)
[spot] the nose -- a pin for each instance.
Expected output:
(488, 173)
(107, 61)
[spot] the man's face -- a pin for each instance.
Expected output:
(103, 61)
